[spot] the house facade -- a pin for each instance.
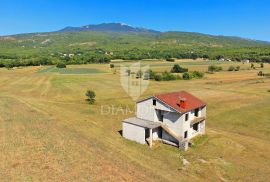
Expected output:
(174, 118)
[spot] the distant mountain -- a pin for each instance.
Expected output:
(108, 27)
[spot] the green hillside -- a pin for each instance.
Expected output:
(90, 46)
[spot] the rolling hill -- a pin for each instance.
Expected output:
(127, 42)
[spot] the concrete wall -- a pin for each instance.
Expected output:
(133, 132)
(177, 123)
(155, 133)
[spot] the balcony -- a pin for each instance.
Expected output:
(197, 120)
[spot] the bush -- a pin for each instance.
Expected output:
(139, 74)
(111, 65)
(252, 66)
(237, 68)
(9, 66)
(128, 71)
(158, 77)
(151, 74)
(186, 76)
(90, 96)
(260, 73)
(197, 74)
(231, 68)
(61, 65)
(262, 65)
(213, 68)
(178, 69)
(166, 76)
(170, 60)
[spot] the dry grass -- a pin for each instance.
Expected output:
(49, 133)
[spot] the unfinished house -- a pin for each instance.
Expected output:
(173, 118)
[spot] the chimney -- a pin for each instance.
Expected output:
(183, 102)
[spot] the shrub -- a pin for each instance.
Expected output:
(213, 68)
(61, 65)
(128, 71)
(158, 77)
(197, 74)
(178, 69)
(252, 66)
(139, 74)
(111, 65)
(231, 68)
(9, 66)
(237, 68)
(260, 73)
(90, 96)
(262, 65)
(186, 76)
(166, 76)
(146, 76)
(151, 74)
(170, 60)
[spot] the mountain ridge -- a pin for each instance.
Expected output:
(114, 27)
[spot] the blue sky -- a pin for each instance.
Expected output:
(245, 18)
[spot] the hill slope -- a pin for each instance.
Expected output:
(126, 42)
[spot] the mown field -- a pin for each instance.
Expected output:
(49, 133)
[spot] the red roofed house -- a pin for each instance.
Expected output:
(173, 118)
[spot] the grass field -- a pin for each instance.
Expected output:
(49, 133)
(53, 69)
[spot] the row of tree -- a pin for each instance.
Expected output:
(101, 56)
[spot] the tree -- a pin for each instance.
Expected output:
(178, 69)
(170, 60)
(61, 65)
(90, 96)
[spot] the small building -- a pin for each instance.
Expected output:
(245, 61)
(173, 118)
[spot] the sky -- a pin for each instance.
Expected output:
(244, 18)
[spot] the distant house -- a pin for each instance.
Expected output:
(221, 59)
(245, 61)
(173, 118)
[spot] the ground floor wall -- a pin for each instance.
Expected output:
(133, 132)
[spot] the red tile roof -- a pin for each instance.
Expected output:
(173, 100)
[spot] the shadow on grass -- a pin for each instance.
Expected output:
(120, 132)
